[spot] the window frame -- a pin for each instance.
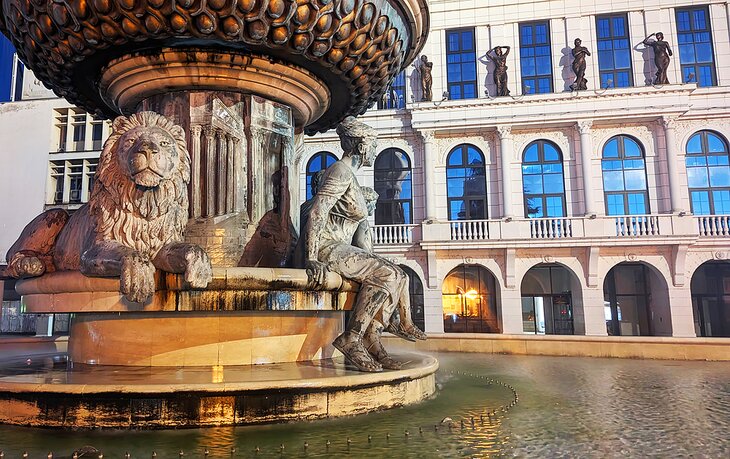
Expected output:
(705, 152)
(398, 89)
(324, 155)
(625, 193)
(540, 161)
(692, 31)
(391, 203)
(523, 47)
(463, 148)
(461, 83)
(612, 37)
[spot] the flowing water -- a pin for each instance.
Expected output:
(567, 407)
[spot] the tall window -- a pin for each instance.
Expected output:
(415, 291)
(708, 174)
(695, 46)
(461, 64)
(393, 185)
(71, 181)
(74, 127)
(470, 301)
(542, 180)
(614, 51)
(395, 94)
(320, 161)
(624, 177)
(535, 59)
(466, 183)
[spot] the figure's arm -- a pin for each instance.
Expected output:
(646, 42)
(588, 53)
(506, 48)
(669, 50)
(363, 236)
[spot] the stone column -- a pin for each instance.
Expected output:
(505, 156)
(670, 138)
(222, 172)
(240, 177)
(428, 175)
(195, 159)
(586, 155)
(230, 175)
(210, 160)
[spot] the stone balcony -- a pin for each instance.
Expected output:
(556, 232)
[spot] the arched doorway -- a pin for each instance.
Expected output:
(415, 290)
(469, 298)
(636, 301)
(711, 299)
(547, 300)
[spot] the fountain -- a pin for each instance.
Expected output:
(185, 313)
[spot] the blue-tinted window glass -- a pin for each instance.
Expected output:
(535, 58)
(320, 161)
(6, 69)
(395, 94)
(708, 173)
(543, 186)
(624, 177)
(614, 51)
(466, 183)
(461, 64)
(694, 39)
(392, 182)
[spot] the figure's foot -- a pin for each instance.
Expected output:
(376, 349)
(22, 266)
(137, 279)
(354, 351)
(408, 332)
(199, 272)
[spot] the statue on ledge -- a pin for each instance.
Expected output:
(337, 238)
(134, 220)
(498, 55)
(662, 51)
(426, 79)
(579, 66)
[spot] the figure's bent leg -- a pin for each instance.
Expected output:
(369, 301)
(372, 342)
(403, 325)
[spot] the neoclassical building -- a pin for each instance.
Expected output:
(604, 211)
(594, 212)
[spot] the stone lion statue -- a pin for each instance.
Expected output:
(134, 220)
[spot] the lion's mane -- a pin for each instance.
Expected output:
(144, 219)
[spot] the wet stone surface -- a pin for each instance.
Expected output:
(568, 407)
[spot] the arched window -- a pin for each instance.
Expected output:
(624, 177)
(466, 183)
(320, 161)
(393, 184)
(470, 301)
(542, 180)
(708, 174)
(415, 291)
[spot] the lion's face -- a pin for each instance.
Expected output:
(148, 154)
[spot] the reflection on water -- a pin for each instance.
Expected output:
(568, 407)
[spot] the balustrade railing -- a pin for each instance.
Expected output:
(713, 225)
(393, 234)
(469, 230)
(551, 228)
(637, 225)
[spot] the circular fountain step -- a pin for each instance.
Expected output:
(43, 391)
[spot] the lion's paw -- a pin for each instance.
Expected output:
(23, 265)
(137, 279)
(199, 272)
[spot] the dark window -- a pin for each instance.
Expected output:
(542, 180)
(393, 184)
(694, 38)
(624, 177)
(535, 59)
(7, 53)
(614, 51)
(626, 300)
(708, 174)
(18, 90)
(466, 183)
(96, 134)
(711, 299)
(395, 95)
(470, 301)
(320, 161)
(415, 291)
(547, 301)
(76, 178)
(461, 64)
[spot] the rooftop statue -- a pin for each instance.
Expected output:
(338, 239)
(662, 51)
(134, 220)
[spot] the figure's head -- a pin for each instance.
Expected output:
(578, 42)
(659, 36)
(424, 58)
(371, 198)
(498, 51)
(358, 140)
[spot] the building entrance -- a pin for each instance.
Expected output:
(547, 304)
